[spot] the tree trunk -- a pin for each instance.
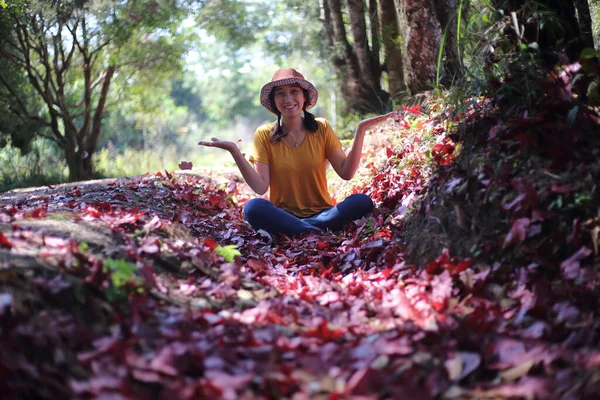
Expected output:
(447, 15)
(390, 38)
(344, 61)
(421, 33)
(92, 137)
(375, 39)
(359, 79)
(372, 97)
(80, 165)
(356, 12)
(585, 23)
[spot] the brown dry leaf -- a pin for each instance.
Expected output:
(515, 373)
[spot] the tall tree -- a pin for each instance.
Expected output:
(358, 65)
(390, 39)
(408, 34)
(421, 33)
(70, 51)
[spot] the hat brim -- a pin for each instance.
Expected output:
(265, 91)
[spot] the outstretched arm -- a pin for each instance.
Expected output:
(346, 165)
(258, 179)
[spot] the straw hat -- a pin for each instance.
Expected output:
(288, 76)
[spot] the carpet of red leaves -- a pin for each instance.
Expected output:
(188, 302)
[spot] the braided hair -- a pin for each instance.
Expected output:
(277, 133)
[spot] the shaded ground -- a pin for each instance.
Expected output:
(155, 287)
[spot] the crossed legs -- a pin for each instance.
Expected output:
(262, 214)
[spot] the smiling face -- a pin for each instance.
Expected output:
(289, 100)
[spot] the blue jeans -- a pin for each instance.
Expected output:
(262, 214)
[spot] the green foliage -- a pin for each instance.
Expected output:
(41, 165)
(16, 127)
(228, 252)
(229, 85)
(157, 109)
(185, 92)
(123, 279)
(590, 75)
(499, 63)
(147, 118)
(111, 162)
(295, 29)
(121, 272)
(235, 22)
(70, 49)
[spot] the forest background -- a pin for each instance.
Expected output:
(166, 74)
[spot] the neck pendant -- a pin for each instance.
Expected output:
(296, 144)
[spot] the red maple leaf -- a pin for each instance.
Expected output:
(216, 200)
(413, 110)
(211, 243)
(442, 153)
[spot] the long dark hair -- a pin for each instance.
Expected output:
(277, 133)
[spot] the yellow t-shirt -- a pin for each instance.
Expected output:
(298, 183)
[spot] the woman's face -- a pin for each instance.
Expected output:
(289, 100)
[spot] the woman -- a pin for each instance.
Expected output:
(290, 158)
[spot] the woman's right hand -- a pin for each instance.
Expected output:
(258, 180)
(221, 144)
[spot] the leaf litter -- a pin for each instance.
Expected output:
(499, 301)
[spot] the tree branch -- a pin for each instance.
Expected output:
(67, 61)
(92, 141)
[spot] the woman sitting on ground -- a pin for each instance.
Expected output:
(290, 160)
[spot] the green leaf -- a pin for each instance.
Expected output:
(593, 94)
(122, 271)
(589, 53)
(228, 252)
(3, 4)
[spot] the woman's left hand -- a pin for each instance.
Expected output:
(368, 123)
